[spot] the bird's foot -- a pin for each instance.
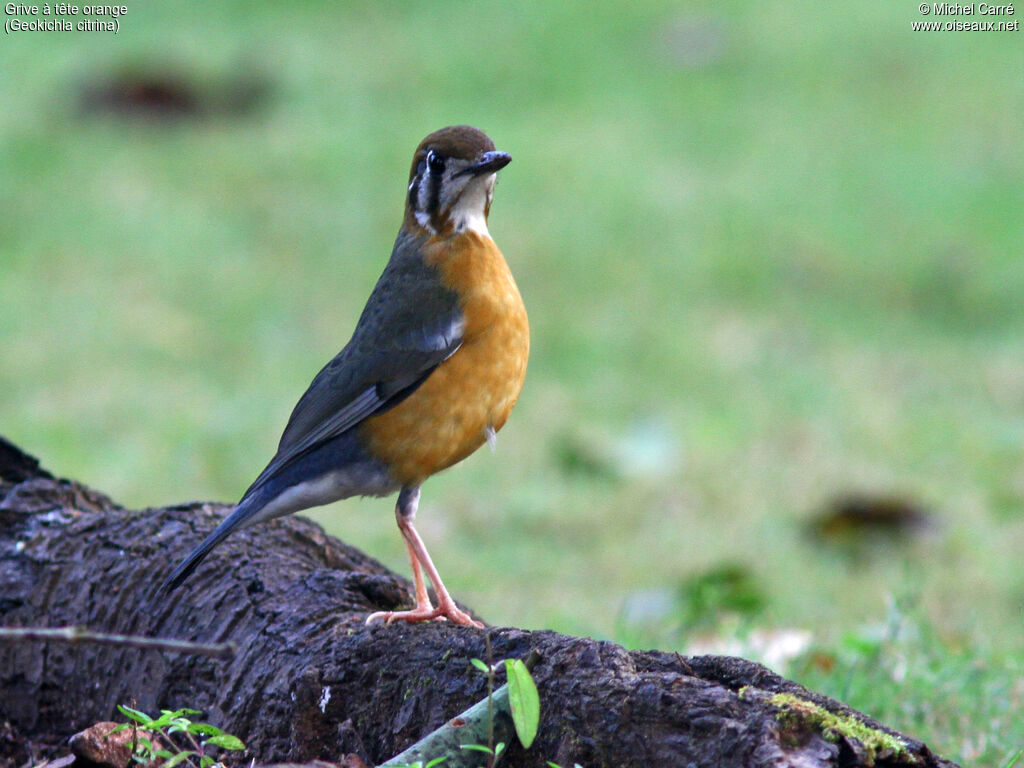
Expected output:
(443, 612)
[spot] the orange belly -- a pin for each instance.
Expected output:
(446, 418)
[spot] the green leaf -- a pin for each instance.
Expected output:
(134, 714)
(164, 753)
(481, 666)
(436, 761)
(478, 748)
(203, 729)
(167, 717)
(164, 719)
(225, 741)
(121, 727)
(205, 761)
(524, 701)
(178, 758)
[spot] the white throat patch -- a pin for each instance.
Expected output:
(468, 211)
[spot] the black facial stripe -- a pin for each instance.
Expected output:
(433, 194)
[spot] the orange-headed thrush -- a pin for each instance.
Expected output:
(433, 368)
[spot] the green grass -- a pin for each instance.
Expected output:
(771, 252)
(968, 697)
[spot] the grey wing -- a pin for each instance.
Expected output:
(411, 324)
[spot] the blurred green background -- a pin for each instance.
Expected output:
(772, 255)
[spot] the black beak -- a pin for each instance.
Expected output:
(489, 162)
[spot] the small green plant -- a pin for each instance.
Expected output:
(493, 752)
(524, 703)
(490, 749)
(198, 738)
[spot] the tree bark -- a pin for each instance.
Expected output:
(311, 681)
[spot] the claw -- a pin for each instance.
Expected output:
(447, 610)
(427, 613)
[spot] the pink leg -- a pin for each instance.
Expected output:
(405, 513)
(422, 598)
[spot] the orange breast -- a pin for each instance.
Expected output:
(445, 419)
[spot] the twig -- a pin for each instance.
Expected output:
(75, 635)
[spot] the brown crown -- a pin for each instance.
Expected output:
(462, 141)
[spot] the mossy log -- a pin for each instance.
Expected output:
(311, 681)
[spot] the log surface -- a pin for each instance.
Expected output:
(311, 681)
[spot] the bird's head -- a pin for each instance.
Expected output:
(451, 183)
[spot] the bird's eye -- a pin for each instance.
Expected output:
(435, 163)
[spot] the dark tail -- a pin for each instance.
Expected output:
(244, 512)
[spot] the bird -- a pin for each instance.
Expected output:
(434, 367)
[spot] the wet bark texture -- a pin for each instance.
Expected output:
(311, 681)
